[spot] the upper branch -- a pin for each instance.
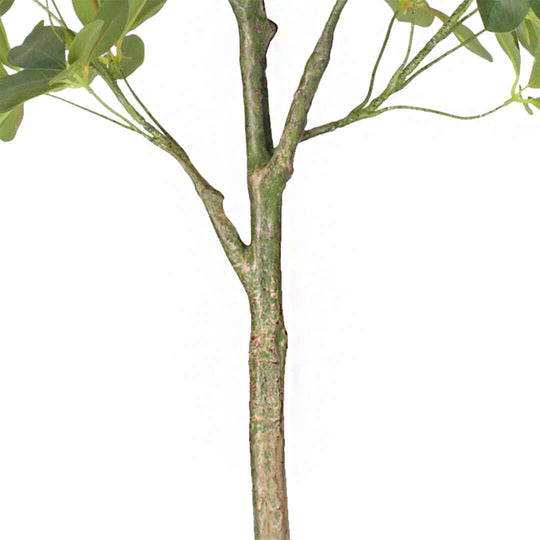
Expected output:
(256, 32)
(401, 78)
(234, 247)
(309, 84)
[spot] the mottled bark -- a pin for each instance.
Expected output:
(268, 173)
(267, 351)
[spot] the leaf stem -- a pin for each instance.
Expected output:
(443, 56)
(45, 8)
(378, 62)
(97, 114)
(110, 109)
(140, 102)
(443, 113)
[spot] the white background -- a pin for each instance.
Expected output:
(412, 300)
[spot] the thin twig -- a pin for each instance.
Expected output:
(377, 63)
(45, 8)
(97, 114)
(411, 37)
(110, 109)
(443, 56)
(140, 102)
(442, 113)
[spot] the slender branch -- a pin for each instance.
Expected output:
(234, 247)
(309, 84)
(126, 126)
(351, 118)
(109, 108)
(144, 107)
(46, 9)
(442, 113)
(256, 32)
(397, 81)
(212, 199)
(442, 34)
(378, 62)
(62, 21)
(411, 37)
(443, 56)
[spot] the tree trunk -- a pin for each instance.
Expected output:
(267, 351)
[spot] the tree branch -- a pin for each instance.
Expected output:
(212, 199)
(256, 32)
(235, 249)
(398, 81)
(309, 84)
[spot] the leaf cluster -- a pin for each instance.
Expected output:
(54, 57)
(516, 24)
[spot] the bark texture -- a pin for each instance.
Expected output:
(267, 352)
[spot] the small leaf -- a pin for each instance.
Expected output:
(404, 11)
(535, 102)
(114, 14)
(140, 10)
(528, 108)
(86, 9)
(466, 35)
(534, 81)
(510, 45)
(502, 15)
(22, 86)
(10, 122)
(131, 57)
(85, 43)
(42, 49)
(529, 35)
(4, 45)
(5, 5)
(535, 6)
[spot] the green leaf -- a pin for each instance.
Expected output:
(528, 108)
(86, 9)
(535, 102)
(131, 57)
(534, 81)
(4, 45)
(5, 5)
(404, 11)
(114, 14)
(85, 44)
(25, 85)
(535, 6)
(466, 35)
(510, 45)
(42, 49)
(140, 10)
(10, 122)
(503, 15)
(529, 35)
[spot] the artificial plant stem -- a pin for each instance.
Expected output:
(447, 114)
(124, 101)
(62, 21)
(267, 352)
(442, 34)
(411, 37)
(45, 8)
(309, 84)
(109, 108)
(443, 56)
(126, 126)
(212, 199)
(378, 62)
(256, 32)
(145, 108)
